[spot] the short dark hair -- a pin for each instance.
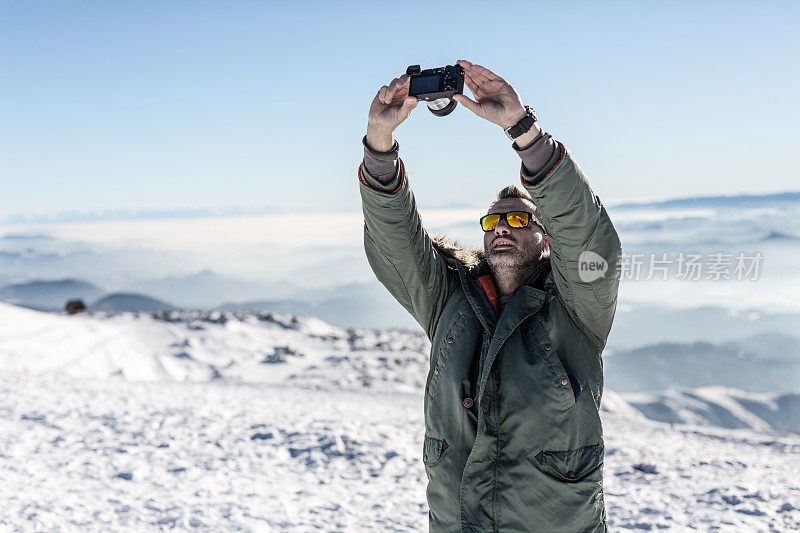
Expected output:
(512, 191)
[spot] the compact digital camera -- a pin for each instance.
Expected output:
(436, 86)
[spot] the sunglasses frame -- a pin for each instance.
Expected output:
(531, 218)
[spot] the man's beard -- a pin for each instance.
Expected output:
(515, 259)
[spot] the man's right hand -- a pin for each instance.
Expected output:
(389, 109)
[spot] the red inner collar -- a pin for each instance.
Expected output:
(487, 284)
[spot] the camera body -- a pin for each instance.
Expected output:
(437, 87)
(435, 83)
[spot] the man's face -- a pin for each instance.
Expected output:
(515, 248)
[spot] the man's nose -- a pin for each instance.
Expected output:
(502, 227)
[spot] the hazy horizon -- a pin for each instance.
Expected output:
(22, 220)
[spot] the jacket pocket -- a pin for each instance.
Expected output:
(447, 345)
(577, 388)
(433, 450)
(538, 340)
(570, 465)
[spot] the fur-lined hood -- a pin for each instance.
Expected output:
(468, 256)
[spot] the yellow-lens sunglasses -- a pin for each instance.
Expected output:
(515, 219)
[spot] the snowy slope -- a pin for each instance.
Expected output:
(260, 422)
(276, 349)
(721, 406)
(114, 455)
(201, 346)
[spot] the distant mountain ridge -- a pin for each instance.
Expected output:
(721, 407)
(763, 363)
(743, 200)
(126, 301)
(353, 305)
(49, 295)
(640, 324)
(147, 214)
(141, 214)
(207, 289)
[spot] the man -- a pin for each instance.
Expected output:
(513, 440)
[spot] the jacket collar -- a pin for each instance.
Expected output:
(480, 290)
(478, 284)
(538, 278)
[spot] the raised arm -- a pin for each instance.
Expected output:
(577, 224)
(580, 234)
(398, 248)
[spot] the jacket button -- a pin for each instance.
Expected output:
(564, 382)
(449, 340)
(468, 402)
(570, 474)
(547, 346)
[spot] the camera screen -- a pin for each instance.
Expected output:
(425, 84)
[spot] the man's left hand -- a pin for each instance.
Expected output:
(495, 98)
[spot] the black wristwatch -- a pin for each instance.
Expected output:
(523, 126)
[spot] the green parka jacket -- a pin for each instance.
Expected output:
(513, 439)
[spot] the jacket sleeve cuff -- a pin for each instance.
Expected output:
(381, 166)
(538, 153)
(546, 167)
(391, 187)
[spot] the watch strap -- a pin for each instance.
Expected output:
(524, 125)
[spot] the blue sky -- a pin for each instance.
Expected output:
(191, 105)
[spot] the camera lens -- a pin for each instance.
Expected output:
(442, 106)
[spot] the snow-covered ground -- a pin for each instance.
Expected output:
(112, 455)
(260, 422)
